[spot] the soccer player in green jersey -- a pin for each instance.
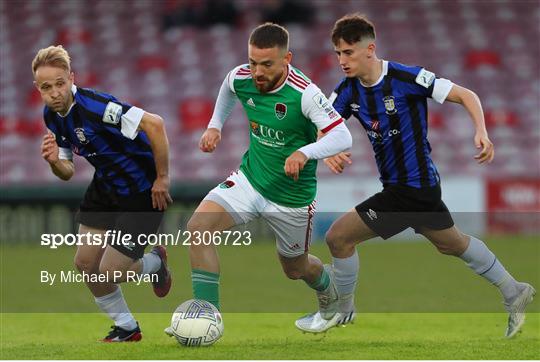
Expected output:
(277, 177)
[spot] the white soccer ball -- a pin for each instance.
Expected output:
(196, 322)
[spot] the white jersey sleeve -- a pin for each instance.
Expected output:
(335, 141)
(320, 111)
(317, 108)
(225, 101)
(130, 122)
(441, 88)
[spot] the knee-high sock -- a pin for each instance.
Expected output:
(115, 306)
(205, 286)
(484, 263)
(346, 275)
(322, 282)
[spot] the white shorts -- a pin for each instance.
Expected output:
(291, 226)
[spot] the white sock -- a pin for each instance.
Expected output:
(150, 263)
(114, 305)
(484, 263)
(346, 275)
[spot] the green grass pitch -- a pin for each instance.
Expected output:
(412, 304)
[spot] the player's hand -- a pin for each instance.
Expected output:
(160, 193)
(337, 163)
(294, 164)
(49, 148)
(210, 140)
(481, 141)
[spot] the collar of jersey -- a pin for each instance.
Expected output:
(383, 74)
(285, 81)
(74, 91)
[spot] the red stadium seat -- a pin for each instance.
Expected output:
(33, 98)
(30, 129)
(73, 35)
(3, 127)
(149, 62)
(501, 117)
(194, 113)
(477, 58)
(435, 120)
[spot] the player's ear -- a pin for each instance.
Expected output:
(288, 57)
(72, 77)
(371, 50)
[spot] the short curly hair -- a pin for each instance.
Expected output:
(353, 28)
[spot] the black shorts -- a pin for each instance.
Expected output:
(399, 207)
(133, 215)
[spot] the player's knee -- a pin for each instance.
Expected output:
(198, 223)
(454, 248)
(85, 265)
(294, 274)
(335, 240)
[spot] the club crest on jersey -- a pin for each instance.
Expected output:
(226, 184)
(281, 110)
(389, 105)
(81, 136)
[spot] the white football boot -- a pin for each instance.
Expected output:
(328, 315)
(516, 309)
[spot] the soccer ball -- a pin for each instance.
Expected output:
(196, 323)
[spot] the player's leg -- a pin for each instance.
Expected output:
(375, 216)
(208, 217)
(342, 237)
(88, 257)
(292, 228)
(367, 220)
(478, 257)
(107, 295)
(94, 216)
(230, 203)
(125, 260)
(310, 269)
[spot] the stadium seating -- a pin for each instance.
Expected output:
(490, 47)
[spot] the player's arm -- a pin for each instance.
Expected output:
(58, 159)
(337, 137)
(340, 100)
(222, 110)
(470, 101)
(154, 127)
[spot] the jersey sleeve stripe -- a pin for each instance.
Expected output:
(301, 86)
(298, 79)
(332, 125)
(241, 72)
(300, 76)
